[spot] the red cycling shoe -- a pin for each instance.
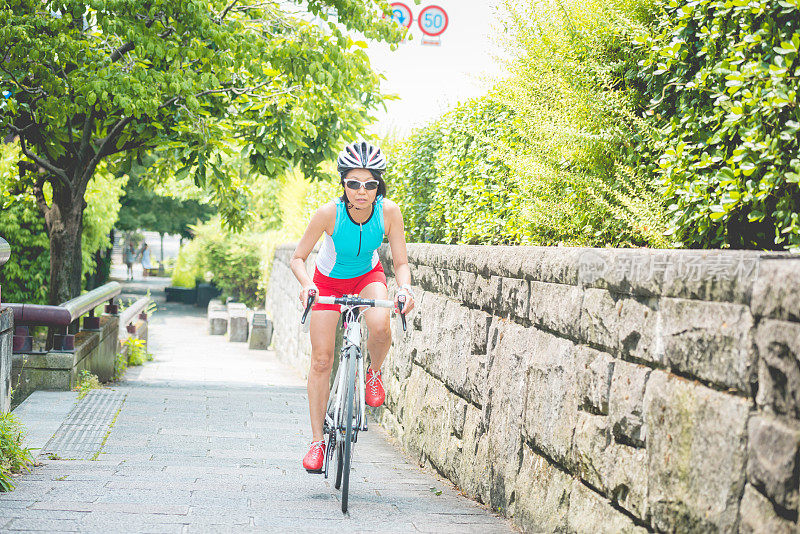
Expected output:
(315, 456)
(375, 395)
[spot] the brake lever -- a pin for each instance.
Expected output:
(312, 294)
(401, 301)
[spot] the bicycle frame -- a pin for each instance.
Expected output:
(348, 383)
(351, 347)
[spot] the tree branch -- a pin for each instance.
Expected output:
(226, 10)
(117, 54)
(41, 162)
(85, 137)
(111, 138)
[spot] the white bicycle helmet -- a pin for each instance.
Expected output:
(361, 155)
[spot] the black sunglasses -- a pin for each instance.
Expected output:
(369, 185)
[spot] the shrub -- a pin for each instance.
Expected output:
(86, 382)
(14, 458)
(725, 88)
(585, 155)
(137, 351)
(27, 273)
(450, 183)
(556, 154)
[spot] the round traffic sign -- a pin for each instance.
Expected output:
(401, 14)
(433, 21)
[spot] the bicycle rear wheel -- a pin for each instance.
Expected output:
(347, 446)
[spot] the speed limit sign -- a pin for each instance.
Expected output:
(433, 21)
(401, 14)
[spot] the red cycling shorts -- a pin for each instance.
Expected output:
(339, 287)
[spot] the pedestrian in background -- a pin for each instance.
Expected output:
(129, 256)
(144, 257)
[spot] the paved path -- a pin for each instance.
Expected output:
(209, 438)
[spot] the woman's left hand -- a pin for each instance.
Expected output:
(409, 304)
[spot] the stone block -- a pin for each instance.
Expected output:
(696, 453)
(626, 403)
(638, 327)
(778, 344)
(450, 358)
(595, 369)
(237, 324)
(710, 275)
(426, 420)
(710, 341)
(5, 369)
(514, 298)
(758, 516)
(772, 464)
(218, 322)
(6, 319)
(556, 307)
(776, 290)
(618, 471)
(479, 331)
(505, 261)
(551, 393)
(556, 265)
(621, 324)
(486, 293)
(214, 305)
(511, 349)
(590, 512)
(260, 332)
(543, 494)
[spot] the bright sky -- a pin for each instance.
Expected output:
(429, 79)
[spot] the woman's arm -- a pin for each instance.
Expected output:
(321, 221)
(397, 242)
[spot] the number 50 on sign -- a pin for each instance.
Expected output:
(433, 21)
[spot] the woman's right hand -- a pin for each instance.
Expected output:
(304, 294)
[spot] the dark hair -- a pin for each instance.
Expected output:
(375, 174)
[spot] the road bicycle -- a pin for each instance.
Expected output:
(346, 413)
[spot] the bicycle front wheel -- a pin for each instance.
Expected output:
(347, 446)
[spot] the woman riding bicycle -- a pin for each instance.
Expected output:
(347, 264)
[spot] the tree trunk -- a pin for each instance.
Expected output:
(162, 247)
(64, 220)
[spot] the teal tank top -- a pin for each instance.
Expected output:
(352, 250)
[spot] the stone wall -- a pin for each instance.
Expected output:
(289, 339)
(598, 390)
(6, 335)
(59, 371)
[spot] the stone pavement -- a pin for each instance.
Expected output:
(209, 438)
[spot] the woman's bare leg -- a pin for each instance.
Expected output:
(323, 338)
(380, 336)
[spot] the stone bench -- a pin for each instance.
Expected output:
(237, 319)
(260, 331)
(217, 318)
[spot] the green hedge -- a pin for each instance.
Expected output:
(450, 182)
(556, 153)
(725, 84)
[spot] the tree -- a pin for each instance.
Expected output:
(193, 80)
(144, 209)
(24, 277)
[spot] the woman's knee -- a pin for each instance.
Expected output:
(321, 361)
(381, 332)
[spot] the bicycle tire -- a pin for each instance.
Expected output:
(347, 446)
(338, 482)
